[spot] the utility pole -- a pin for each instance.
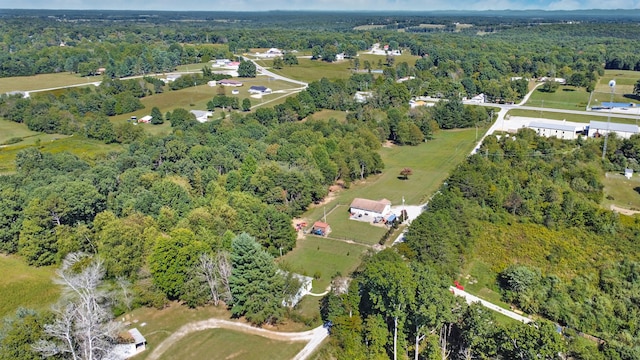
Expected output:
(612, 85)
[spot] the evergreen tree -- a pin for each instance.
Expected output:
(256, 285)
(156, 116)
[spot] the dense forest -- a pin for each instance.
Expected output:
(170, 215)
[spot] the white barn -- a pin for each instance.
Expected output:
(601, 128)
(137, 345)
(559, 130)
(371, 208)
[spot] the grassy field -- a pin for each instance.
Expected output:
(86, 149)
(231, 345)
(25, 286)
(566, 97)
(309, 70)
(622, 192)
(42, 81)
(625, 80)
(324, 257)
(10, 129)
(326, 114)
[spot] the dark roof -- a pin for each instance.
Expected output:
(258, 87)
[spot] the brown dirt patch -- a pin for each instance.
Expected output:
(624, 211)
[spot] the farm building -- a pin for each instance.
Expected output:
(371, 208)
(628, 173)
(560, 130)
(601, 128)
(320, 228)
(257, 89)
(201, 115)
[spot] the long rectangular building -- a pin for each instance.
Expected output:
(601, 128)
(558, 129)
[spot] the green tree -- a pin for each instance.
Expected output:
(247, 69)
(156, 116)
(20, 332)
(278, 63)
(256, 286)
(171, 262)
(246, 104)
(290, 59)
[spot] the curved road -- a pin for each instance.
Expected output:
(313, 337)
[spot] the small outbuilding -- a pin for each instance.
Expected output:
(135, 344)
(320, 228)
(145, 119)
(628, 173)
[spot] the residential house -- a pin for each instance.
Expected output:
(201, 115)
(145, 119)
(228, 82)
(258, 89)
(370, 208)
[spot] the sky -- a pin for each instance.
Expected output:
(370, 5)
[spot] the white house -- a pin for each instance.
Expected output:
(306, 284)
(340, 56)
(221, 62)
(228, 82)
(201, 115)
(371, 208)
(601, 128)
(145, 119)
(362, 96)
(478, 99)
(258, 89)
(271, 53)
(554, 79)
(171, 78)
(558, 129)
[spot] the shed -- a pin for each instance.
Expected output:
(368, 207)
(136, 343)
(227, 82)
(201, 115)
(628, 173)
(306, 284)
(320, 228)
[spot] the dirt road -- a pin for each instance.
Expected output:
(313, 337)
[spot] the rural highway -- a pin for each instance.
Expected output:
(313, 337)
(473, 299)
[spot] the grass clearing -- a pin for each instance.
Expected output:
(231, 345)
(25, 286)
(324, 257)
(622, 192)
(44, 81)
(309, 70)
(10, 129)
(566, 97)
(326, 114)
(86, 149)
(564, 116)
(625, 81)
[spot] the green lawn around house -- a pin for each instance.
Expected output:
(227, 344)
(342, 227)
(323, 258)
(25, 286)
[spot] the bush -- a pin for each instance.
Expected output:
(13, 140)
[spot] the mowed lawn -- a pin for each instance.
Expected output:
(566, 97)
(625, 81)
(25, 286)
(564, 116)
(324, 257)
(43, 81)
(10, 129)
(227, 344)
(309, 70)
(622, 192)
(86, 149)
(344, 228)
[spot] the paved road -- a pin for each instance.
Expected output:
(473, 299)
(313, 337)
(263, 71)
